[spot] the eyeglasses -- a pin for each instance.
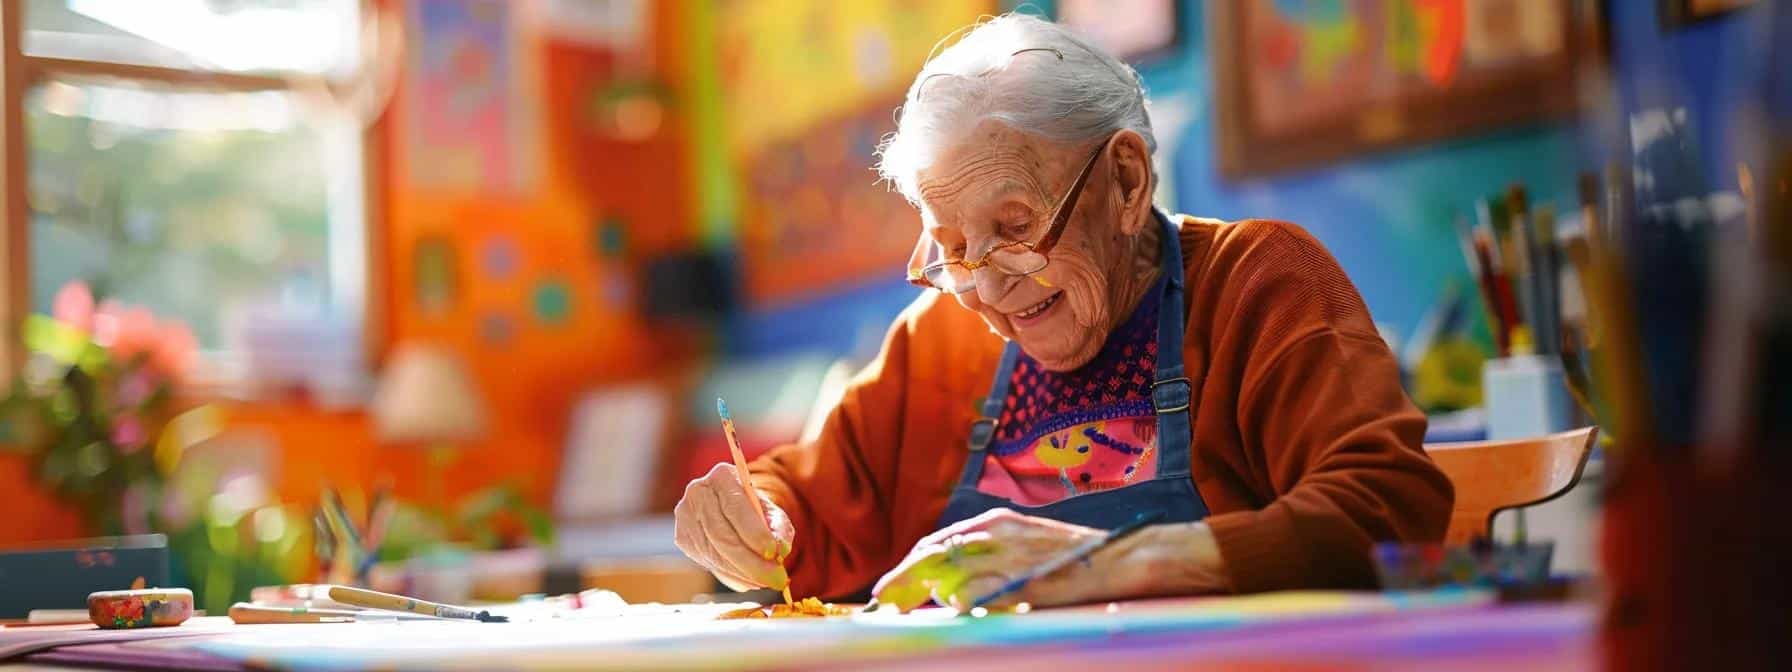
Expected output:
(1014, 257)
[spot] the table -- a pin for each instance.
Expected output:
(1295, 630)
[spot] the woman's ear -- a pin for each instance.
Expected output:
(1132, 179)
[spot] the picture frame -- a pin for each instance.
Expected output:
(616, 440)
(1290, 93)
(469, 95)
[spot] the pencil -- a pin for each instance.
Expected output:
(740, 471)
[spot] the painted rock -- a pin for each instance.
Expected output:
(147, 608)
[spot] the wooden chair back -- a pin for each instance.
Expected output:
(1492, 476)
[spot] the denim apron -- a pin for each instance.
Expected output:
(1173, 491)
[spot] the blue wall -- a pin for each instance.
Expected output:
(848, 322)
(1710, 68)
(1387, 217)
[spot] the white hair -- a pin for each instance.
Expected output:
(1060, 87)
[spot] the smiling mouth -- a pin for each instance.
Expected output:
(1039, 308)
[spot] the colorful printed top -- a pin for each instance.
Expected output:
(1066, 433)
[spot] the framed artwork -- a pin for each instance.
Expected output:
(1677, 13)
(814, 216)
(1136, 31)
(1300, 83)
(809, 87)
(614, 445)
(469, 111)
(788, 65)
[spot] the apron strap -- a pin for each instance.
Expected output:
(1171, 390)
(983, 429)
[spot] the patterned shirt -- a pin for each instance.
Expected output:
(1071, 432)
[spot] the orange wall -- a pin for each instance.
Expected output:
(531, 381)
(30, 513)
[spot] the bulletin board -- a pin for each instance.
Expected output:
(808, 89)
(1305, 82)
(814, 214)
(790, 64)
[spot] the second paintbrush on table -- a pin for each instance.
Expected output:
(1079, 552)
(373, 599)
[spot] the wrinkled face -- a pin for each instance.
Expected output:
(1001, 184)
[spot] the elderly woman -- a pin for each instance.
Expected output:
(1103, 360)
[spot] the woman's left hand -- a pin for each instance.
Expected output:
(970, 559)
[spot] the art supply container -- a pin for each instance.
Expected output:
(1525, 396)
(1423, 566)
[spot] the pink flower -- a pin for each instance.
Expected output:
(126, 331)
(131, 332)
(135, 388)
(73, 306)
(175, 350)
(128, 434)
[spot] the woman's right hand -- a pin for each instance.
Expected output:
(716, 526)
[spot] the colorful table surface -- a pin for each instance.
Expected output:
(1295, 630)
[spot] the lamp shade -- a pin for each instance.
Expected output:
(426, 395)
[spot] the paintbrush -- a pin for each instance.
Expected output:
(1525, 266)
(373, 599)
(247, 613)
(1479, 271)
(1546, 259)
(740, 471)
(1081, 551)
(1502, 291)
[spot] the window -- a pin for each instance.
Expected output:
(196, 157)
(313, 37)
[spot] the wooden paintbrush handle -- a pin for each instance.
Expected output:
(373, 599)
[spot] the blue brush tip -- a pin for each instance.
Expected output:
(722, 408)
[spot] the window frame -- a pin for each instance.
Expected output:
(20, 71)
